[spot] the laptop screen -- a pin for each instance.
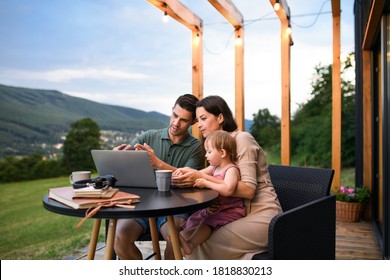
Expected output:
(131, 168)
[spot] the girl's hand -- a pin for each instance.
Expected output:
(200, 183)
(185, 177)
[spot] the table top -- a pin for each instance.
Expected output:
(153, 203)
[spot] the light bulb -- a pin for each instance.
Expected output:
(238, 41)
(165, 17)
(289, 30)
(197, 39)
(277, 5)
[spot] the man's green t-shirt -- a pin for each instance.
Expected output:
(187, 153)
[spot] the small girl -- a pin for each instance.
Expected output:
(220, 153)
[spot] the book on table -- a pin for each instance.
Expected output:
(67, 196)
(106, 192)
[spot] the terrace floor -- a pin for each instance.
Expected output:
(354, 241)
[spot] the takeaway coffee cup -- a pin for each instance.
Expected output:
(79, 175)
(163, 180)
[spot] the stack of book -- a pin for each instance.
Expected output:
(68, 196)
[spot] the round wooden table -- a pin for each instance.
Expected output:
(152, 204)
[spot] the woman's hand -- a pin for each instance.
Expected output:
(185, 177)
(177, 172)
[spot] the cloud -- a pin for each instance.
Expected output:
(120, 52)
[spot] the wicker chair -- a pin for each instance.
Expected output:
(306, 230)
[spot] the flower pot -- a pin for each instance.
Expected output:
(349, 211)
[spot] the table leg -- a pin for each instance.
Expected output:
(155, 239)
(174, 238)
(110, 239)
(94, 239)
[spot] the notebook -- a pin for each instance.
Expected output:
(131, 168)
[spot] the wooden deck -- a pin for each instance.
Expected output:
(356, 241)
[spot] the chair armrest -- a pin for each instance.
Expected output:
(307, 232)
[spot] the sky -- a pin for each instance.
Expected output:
(120, 52)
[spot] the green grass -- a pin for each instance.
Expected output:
(30, 232)
(347, 174)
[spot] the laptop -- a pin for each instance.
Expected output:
(131, 168)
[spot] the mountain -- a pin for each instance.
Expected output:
(38, 120)
(248, 124)
(34, 117)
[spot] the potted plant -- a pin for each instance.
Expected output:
(350, 202)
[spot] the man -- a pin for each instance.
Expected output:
(169, 148)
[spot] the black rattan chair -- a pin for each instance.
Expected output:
(306, 230)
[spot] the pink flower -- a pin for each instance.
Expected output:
(347, 194)
(351, 191)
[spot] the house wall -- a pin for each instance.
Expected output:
(372, 47)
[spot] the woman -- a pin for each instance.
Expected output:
(247, 236)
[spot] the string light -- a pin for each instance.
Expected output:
(277, 5)
(289, 30)
(238, 41)
(197, 39)
(165, 17)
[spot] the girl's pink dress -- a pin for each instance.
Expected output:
(225, 210)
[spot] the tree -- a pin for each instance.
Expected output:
(311, 132)
(311, 125)
(84, 136)
(266, 129)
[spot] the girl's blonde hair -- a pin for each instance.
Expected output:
(221, 139)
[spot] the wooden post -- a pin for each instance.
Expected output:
(284, 16)
(197, 71)
(336, 96)
(286, 99)
(239, 78)
(367, 120)
(235, 18)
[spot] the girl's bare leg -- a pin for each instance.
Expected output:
(198, 236)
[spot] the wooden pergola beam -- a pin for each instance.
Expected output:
(284, 12)
(176, 10)
(284, 16)
(227, 9)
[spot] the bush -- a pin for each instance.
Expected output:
(34, 166)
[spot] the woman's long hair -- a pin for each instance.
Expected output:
(216, 105)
